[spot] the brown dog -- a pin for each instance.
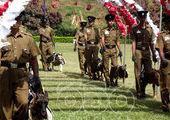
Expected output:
(120, 73)
(38, 106)
(152, 78)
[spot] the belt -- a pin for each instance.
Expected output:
(167, 56)
(45, 41)
(81, 44)
(93, 43)
(13, 65)
(142, 48)
(110, 46)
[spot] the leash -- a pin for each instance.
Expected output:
(125, 39)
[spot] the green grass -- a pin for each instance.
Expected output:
(75, 98)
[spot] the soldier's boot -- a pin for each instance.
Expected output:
(112, 82)
(165, 100)
(107, 85)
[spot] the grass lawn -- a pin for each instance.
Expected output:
(75, 98)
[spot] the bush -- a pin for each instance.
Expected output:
(70, 39)
(57, 39)
(65, 29)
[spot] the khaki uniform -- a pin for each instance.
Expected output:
(110, 38)
(93, 36)
(164, 43)
(143, 39)
(81, 50)
(46, 47)
(14, 79)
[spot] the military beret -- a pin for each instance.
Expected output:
(83, 23)
(91, 18)
(109, 17)
(166, 19)
(142, 14)
(44, 20)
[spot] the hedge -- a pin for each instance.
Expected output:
(70, 39)
(58, 39)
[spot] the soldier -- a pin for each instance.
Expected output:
(91, 39)
(80, 42)
(109, 41)
(163, 46)
(46, 44)
(14, 75)
(141, 42)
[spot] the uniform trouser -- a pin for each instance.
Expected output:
(112, 54)
(13, 94)
(82, 61)
(165, 86)
(46, 53)
(91, 57)
(142, 58)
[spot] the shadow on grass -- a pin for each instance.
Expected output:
(142, 105)
(72, 86)
(54, 80)
(74, 75)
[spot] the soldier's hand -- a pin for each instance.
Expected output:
(87, 47)
(53, 45)
(35, 83)
(75, 49)
(164, 63)
(103, 49)
(134, 58)
(120, 54)
(154, 58)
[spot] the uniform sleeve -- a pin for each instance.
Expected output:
(160, 42)
(150, 34)
(34, 49)
(40, 31)
(77, 35)
(98, 34)
(101, 33)
(118, 35)
(133, 35)
(85, 31)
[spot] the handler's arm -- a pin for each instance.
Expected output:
(118, 45)
(34, 64)
(133, 47)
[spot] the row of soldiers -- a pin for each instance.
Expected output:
(89, 38)
(23, 49)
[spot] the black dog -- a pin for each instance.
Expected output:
(97, 69)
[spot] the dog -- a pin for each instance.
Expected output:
(38, 107)
(153, 78)
(97, 69)
(38, 101)
(58, 60)
(120, 73)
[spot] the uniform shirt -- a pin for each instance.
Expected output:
(46, 31)
(110, 36)
(80, 36)
(164, 42)
(143, 37)
(21, 50)
(93, 35)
